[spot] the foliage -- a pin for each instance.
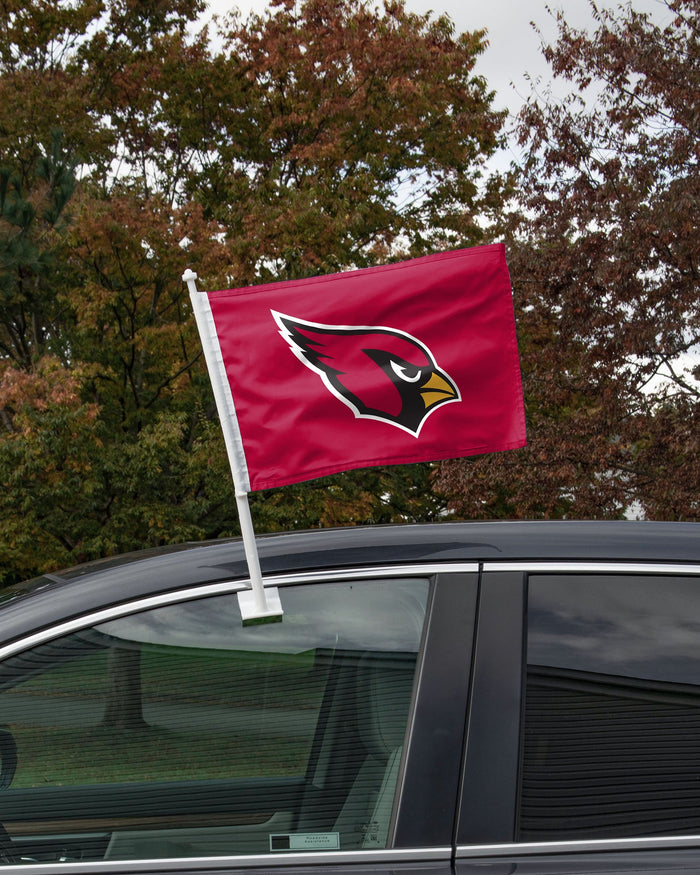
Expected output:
(317, 136)
(366, 135)
(605, 255)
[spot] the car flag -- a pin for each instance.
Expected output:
(408, 362)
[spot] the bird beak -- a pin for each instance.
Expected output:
(436, 389)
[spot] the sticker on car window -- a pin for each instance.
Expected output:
(305, 841)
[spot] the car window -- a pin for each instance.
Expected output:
(611, 744)
(179, 732)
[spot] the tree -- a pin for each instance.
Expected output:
(605, 257)
(123, 700)
(365, 135)
(317, 136)
(32, 222)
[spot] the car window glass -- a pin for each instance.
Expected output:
(612, 708)
(178, 732)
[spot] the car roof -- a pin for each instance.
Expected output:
(448, 541)
(88, 587)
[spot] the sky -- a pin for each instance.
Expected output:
(514, 46)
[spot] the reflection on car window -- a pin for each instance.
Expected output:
(178, 732)
(612, 708)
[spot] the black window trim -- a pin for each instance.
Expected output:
(434, 745)
(487, 808)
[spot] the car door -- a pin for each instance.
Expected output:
(584, 743)
(163, 729)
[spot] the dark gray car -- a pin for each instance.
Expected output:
(477, 697)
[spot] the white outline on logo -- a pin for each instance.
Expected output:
(299, 353)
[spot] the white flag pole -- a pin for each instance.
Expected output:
(258, 605)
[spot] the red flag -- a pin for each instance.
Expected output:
(408, 362)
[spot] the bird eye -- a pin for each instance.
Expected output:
(409, 373)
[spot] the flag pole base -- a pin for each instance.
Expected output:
(258, 604)
(252, 615)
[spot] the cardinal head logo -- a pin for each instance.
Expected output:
(379, 373)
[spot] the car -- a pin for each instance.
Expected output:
(452, 698)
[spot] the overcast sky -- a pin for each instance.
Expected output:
(514, 45)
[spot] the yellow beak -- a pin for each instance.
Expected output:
(436, 389)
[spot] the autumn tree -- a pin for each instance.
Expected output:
(366, 136)
(317, 136)
(65, 483)
(605, 256)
